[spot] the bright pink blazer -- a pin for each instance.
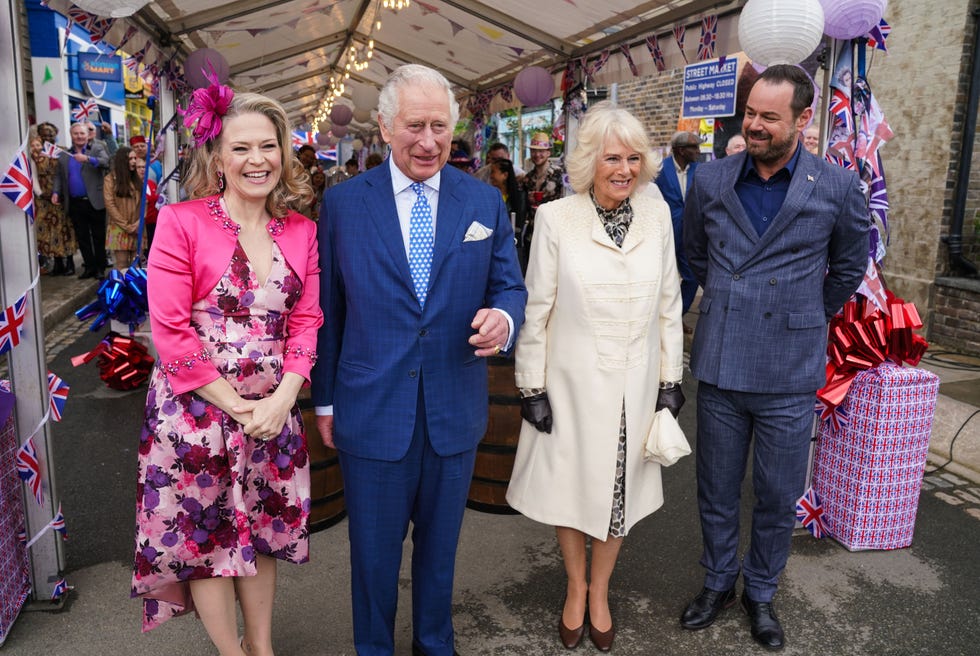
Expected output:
(192, 246)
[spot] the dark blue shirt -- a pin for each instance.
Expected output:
(760, 198)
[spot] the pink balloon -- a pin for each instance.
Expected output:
(339, 130)
(323, 138)
(341, 115)
(203, 61)
(534, 86)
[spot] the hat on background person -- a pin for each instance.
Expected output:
(540, 141)
(137, 139)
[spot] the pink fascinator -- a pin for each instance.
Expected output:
(206, 107)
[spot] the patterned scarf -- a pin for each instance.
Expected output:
(616, 221)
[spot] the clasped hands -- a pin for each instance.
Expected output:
(263, 419)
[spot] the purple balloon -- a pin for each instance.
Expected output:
(850, 19)
(338, 130)
(534, 86)
(341, 115)
(201, 62)
(323, 138)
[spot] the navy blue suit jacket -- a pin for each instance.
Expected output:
(670, 187)
(376, 345)
(767, 300)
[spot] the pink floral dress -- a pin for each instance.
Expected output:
(209, 497)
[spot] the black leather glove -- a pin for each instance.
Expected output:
(671, 398)
(537, 411)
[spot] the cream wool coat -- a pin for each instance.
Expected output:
(603, 324)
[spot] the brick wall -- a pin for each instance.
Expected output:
(655, 100)
(954, 317)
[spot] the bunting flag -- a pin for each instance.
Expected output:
(17, 184)
(629, 59)
(29, 470)
(873, 289)
(11, 324)
(60, 589)
(57, 394)
(142, 53)
(58, 523)
(100, 27)
(130, 33)
(810, 513)
(22, 535)
(597, 65)
(131, 64)
(653, 45)
(709, 35)
(876, 37)
(679, 32)
(84, 108)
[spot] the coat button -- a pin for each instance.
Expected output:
(772, 281)
(736, 277)
(413, 373)
(423, 332)
(795, 250)
(721, 244)
(768, 315)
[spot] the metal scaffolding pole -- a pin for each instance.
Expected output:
(19, 276)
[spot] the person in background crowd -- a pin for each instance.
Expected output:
(462, 161)
(543, 183)
(307, 157)
(778, 239)
(736, 144)
(78, 187)
(138, 143)
(412, 303)
(811, 139)
(319, 182)
(502, 177)
(103, 134)
(351, 167)
(601, 342)
(55, 236)
(374, 159)
(676, 176)
(150, 215)
(223, 486)
(494, 152)
(122, 191)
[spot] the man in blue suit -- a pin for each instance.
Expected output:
(675, 180)
(778, 239)
(419, 284)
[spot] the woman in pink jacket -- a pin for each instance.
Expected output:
(224, 489)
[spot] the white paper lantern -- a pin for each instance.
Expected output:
(323, 126)
(849, 19)
(362, 115)
(780, 31)
(357, 144)
(365, 96)
(112, 8)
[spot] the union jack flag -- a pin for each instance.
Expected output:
(658, 56)
(29, 470)
(49, 149)
(61, 588)
(810, 513)
(835, 417)
(99, 28)
(598, 64)
(629, 59)
(328, 153)
(878, 34)
(301, 138)
(132, 64)
(58, 523)
(11, 324)
(84, 109)
(57, 394)
(709, 34)
(679, 32)
(840, 108)
(22, 535)
(18, 185)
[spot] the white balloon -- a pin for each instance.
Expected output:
(365, 96)
(323, 126)
(779, 31)
(357, 144)
(362, 115)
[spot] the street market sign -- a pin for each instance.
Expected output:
(99, 66)
(710, 88)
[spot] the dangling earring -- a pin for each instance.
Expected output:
(221, 181)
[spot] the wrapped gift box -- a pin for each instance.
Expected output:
(868, 473)
(14, 574)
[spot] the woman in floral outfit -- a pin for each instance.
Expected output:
(223, 489)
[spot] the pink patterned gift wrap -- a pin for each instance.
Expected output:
(14, 575)
(868, 472)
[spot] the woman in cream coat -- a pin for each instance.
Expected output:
(600, 352)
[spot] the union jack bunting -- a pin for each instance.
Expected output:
(83, 109)
(58, 523)
(679, 32)
(658, 56)
(878, 34)
(629, 59)
(301, 137)
(17, 184)
(132, 64)
(60, 589)
(11, 324)
(57, 394)
(709, 35)
(29, 470)
(130, 33)
(100, 27)
(598, 64)
(810, 513)
(22, 535)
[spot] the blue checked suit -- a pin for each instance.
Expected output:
(409, 395)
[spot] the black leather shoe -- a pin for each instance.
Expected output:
(417, 650)
(86, 273)
(765, 625)
(703, 610)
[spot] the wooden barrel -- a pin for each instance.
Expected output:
(496, 451)
(326, 483)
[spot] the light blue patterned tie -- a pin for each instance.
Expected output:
(420, 242)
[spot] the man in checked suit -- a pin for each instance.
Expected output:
(778, 239)
(401, 381)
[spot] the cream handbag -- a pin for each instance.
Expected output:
(665, 444)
